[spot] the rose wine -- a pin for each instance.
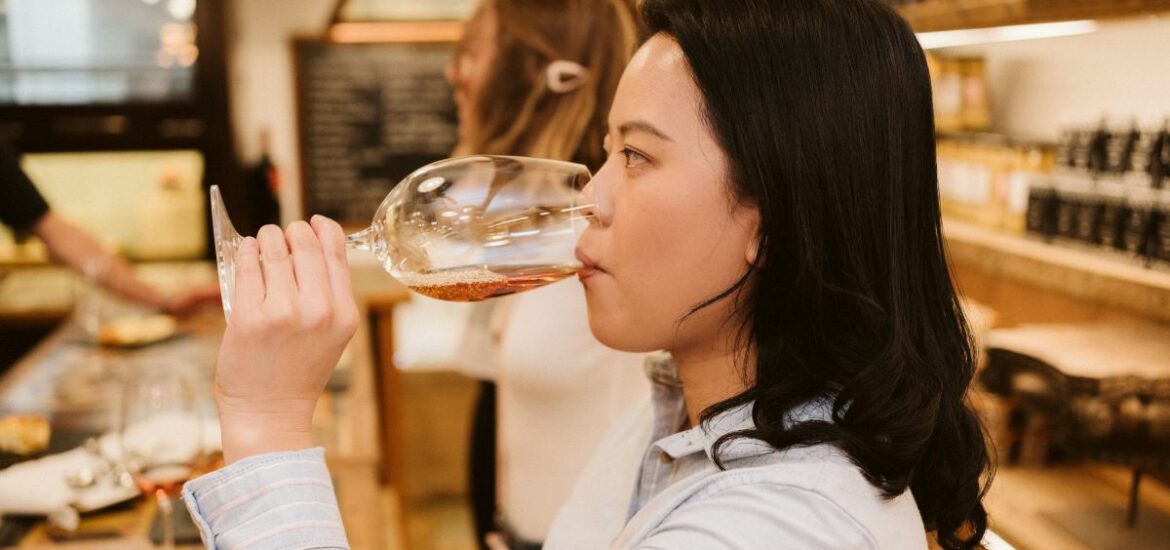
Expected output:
(477, 283)
(168, 478)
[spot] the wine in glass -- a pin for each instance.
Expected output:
(463, 229)
(161, 436)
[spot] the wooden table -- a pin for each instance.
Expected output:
(64, 380)
(1099, 391)
(74, 384)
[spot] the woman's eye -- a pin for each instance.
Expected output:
(633, 158)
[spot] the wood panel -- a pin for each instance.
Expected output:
(387, 391)
(424, 418)
(1022, 277)
(941, 15)
(1016, 303)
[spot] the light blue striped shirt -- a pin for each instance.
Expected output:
(271, 501)
(651, 485)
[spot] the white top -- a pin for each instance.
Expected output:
(559, 392)
(670, 494)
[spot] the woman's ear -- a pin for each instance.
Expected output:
(753, 250)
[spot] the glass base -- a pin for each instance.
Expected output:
(227, 241)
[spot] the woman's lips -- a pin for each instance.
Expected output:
(589, 268)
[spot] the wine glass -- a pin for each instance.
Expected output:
(161, 439)
(463, 229)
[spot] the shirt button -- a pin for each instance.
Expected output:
(664, 457)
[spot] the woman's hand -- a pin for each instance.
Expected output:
(294, 313)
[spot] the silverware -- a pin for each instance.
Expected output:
(113, 471)
(81, 479)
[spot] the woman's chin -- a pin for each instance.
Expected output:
(617, 334)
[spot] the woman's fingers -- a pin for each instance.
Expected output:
(299, 276)
(279, 282)
(249, 279)
(311, 274)
(332, 240)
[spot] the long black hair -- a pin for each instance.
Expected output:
(823, 108)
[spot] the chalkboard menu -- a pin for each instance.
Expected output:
(369, 114)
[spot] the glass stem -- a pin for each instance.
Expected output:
(167, 510)
(362, 240)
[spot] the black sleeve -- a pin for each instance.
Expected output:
(21, 205)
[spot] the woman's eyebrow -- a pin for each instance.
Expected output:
(645, 127)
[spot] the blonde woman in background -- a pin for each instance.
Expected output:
(536, 78)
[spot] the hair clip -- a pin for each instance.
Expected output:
(565, 76)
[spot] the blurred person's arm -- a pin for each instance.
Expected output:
(27, 212)
(73, 247)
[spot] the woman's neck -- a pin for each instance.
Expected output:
(711, 376)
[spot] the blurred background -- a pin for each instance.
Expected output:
(1053, 121)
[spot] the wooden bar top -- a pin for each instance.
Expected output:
(66, 379)
(1091, 276)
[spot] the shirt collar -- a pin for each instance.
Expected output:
(661, 370)
(670, 415)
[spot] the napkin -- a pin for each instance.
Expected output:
(38, 487)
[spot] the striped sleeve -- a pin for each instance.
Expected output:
(273, 501)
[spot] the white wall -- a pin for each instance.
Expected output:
(1037, 86)
(261, 68)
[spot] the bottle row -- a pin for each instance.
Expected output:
(1137, 156)
(1107, 216)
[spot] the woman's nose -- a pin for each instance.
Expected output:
(596, 195)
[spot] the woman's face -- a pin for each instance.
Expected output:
(668, 233)
(468, 70)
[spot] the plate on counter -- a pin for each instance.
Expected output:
(134, 331)
(22, 438)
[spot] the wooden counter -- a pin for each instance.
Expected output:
(74, 384)
(67, 381)
(942, 15)
(49, 291)
(1027, 280)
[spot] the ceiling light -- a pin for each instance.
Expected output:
(969, 37)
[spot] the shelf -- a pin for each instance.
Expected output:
(942, 15)
(1088, 275)
(993, 138)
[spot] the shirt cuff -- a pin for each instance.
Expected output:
(269, 501)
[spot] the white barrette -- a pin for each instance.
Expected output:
(565, 76)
